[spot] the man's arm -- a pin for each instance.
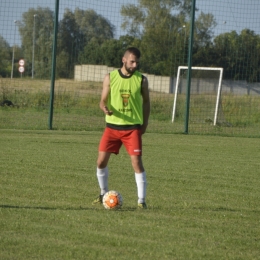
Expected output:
(104, 96)
(146, 104)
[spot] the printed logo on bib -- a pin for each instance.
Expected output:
(125, 98)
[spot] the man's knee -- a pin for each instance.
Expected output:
(137, 164)
(101, 164)
(102, 160)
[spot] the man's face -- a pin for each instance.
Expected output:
(130, 63)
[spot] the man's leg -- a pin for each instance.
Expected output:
(102, 171)
(102, 175)
(140, 178)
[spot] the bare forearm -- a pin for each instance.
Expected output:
(146, 112)
(102, 104)
(104, 108)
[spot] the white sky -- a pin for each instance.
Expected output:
(229, 14)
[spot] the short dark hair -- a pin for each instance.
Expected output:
(135, 51)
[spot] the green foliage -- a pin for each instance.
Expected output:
(40, 99)
(112, 53)
(246, 109)
(91, 54)
(229, 51)
(5, 55)
(93, 25)
(163, 29)
(80, 35)
(109, 52)
(204, 27)
(202, 196)
(161, 109)
(76, 30)
(70, 44)
(37, 22)
(160, 29)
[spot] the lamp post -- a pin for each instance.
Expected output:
(180, 30)
(184, 28)
(12, 71)
(33, 45)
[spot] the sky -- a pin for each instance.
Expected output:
(229, 14)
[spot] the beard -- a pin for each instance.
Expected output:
(129, 69)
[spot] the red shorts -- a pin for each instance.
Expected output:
(112, 140)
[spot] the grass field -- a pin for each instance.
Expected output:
(203, 198)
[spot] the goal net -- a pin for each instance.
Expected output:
(205, 95)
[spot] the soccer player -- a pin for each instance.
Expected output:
(126, 104)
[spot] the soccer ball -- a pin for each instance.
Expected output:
(112, 200)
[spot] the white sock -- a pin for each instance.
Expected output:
(141, 183)
(102, 175)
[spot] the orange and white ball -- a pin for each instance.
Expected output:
(112, 200)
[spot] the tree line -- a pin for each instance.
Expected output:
(159, 28)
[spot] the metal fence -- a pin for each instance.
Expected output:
(226, 34)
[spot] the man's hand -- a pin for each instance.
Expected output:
(143, 128)
(107, 112)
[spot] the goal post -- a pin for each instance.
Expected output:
(218, 89)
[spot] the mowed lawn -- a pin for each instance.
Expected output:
(203, 198)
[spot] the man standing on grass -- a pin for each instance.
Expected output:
(126, 103)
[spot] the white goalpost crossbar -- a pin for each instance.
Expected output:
(218, 93)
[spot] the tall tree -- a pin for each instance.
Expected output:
(6, 56)
(109, 53)
(93, 25)
(80, 32)
(162, 27)
(249, 53)
(36, 30)
(239, 55)
(156, 24)
(204, 29)
(70, 43)
(113, 50)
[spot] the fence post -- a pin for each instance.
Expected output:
(53, 68)
(186, 128)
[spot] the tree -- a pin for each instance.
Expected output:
(109, 53)
(70, 43)
(91, 53)
(204, 53)
(36, 30)
(204, 26)
(237, 54)
(249, 56)
(6, 54)
(162, 27)
(81, 34)
(6, 57)
(113, 50)
(93, 25)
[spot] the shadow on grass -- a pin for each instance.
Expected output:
(64, 208)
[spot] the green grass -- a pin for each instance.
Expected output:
(203, 198)
(76, 108)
